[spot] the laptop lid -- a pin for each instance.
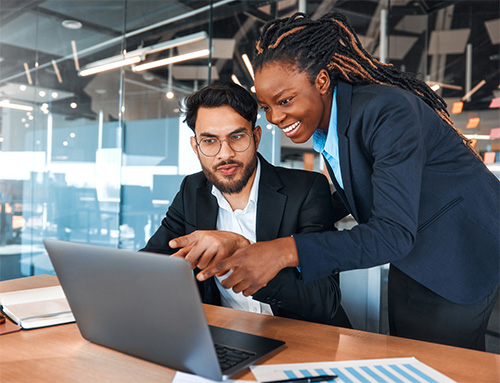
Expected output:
(146, 305)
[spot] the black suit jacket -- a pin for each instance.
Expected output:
(423, 200)
(289, 202)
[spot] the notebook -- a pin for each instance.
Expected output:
(148, 305)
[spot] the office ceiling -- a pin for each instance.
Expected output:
(32, 34)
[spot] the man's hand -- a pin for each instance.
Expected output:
(202, 247)
(254, 266)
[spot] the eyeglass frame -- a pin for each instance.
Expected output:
(228, 142)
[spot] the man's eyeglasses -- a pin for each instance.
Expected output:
(211, 146)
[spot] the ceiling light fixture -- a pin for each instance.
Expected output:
(8, 104)
(71, 24)
(28, 74)
(235, 80)
(477, 136)
(177, 42)
(473, 90)
(75, 55)
(248, 64)
(58, 73)
(108, 64)
(443, 85)
(172, 60)
(139, 55)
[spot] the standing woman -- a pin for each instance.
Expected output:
(424, 200)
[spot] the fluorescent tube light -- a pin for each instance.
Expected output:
(75, 55)
(235, 80)
(172, 60)
(28, 74)
(98, 68)
(137, 55)
(248, 64)
(442, 85)
(477, 136)
(473, 90)
(175, 43)
(58, 73)
(8, 104)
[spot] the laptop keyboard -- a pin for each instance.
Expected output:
(229, 357)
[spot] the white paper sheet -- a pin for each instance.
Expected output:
(400, 370)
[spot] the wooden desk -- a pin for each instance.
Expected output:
(60, 354)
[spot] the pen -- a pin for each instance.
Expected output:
(309, 379)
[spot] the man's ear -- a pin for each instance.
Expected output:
(257, 135)
(194, 146)
(322, 82)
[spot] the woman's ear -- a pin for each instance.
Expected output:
(322, 82)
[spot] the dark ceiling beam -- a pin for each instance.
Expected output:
(258, 15)
(430, 6)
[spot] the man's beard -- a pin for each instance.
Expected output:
(231, 186)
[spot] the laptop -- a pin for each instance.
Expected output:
(148, 305)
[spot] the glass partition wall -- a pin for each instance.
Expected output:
(93, 147)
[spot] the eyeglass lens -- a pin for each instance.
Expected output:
(239, 142)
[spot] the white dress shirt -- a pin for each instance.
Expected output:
(240, 221)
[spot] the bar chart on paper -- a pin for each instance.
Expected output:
(394, 370)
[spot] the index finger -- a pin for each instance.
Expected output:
(183, 241)
(219, 268)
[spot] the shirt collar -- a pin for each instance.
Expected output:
(328, 141)
(252, 200)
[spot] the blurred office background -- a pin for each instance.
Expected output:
(96, 155)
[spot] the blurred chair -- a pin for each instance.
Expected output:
(136, 212)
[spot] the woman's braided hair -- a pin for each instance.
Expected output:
(330, 43)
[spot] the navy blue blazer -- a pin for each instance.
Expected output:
(289, 201)
(423, 200)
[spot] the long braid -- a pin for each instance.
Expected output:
(330, 43)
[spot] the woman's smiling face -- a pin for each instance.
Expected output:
(292, 102)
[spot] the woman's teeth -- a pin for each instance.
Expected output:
(291, 127)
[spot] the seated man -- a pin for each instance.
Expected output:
(238, 199)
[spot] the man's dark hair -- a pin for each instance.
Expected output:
(221, 94)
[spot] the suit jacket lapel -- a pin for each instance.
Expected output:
(270, 203)
(206, 208)
(344, 94)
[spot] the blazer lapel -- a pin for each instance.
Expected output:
(270, 204)
(344, 93)
(206, 208)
